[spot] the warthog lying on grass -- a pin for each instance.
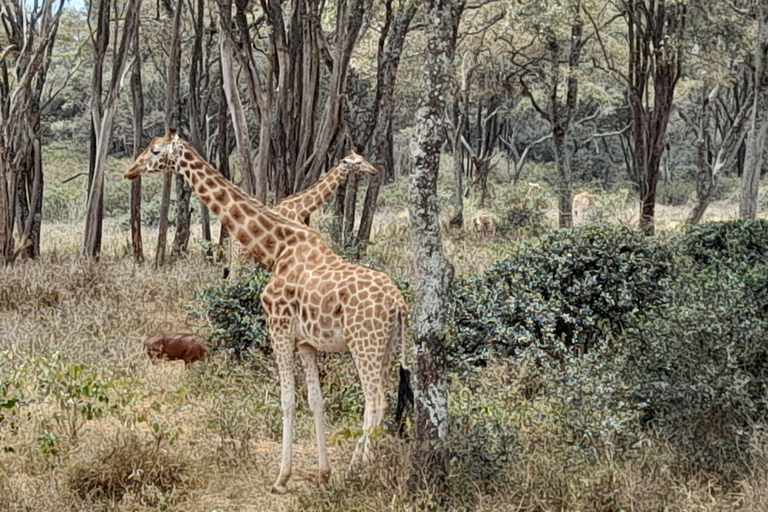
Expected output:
(175, 346)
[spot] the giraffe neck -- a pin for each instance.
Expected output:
(298, 206)
(264, 233)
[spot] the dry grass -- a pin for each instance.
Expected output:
(135, 436)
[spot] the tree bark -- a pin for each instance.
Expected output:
(196, 118)
(709, 172)
(652, 29)
(753, 160)
(242, 134)
(433, 272)
(104, 121)
(137, 100)
(171, 123)
(379, 137)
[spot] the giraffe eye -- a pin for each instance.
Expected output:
(155, 151)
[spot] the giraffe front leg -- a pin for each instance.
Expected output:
(284, 355)
(308, 356)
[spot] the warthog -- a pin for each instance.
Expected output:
(175, 346)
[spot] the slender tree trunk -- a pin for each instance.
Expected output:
(29, 34)
(104, 121)
(195, 116)
(708, 174)
(433, 272)
(223, 152)
(653, 28)
(242, 134)
(171, 123)
(137, 99)
(753, 160)
(380, 137)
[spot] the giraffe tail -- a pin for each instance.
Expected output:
(404, 390)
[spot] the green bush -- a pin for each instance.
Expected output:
(524, 215)
(731, 244)
(234, 311)
(573, 287)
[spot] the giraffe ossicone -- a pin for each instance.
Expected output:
(314, 301)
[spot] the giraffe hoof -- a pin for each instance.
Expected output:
(279, 489)
(324, 476)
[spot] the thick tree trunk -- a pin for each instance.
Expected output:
(137, 100)
(753, 160)
(433, 272)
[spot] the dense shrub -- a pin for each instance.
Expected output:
(573, 287)
(524, 215)
(233, 309)
(731, 244)
(698, 367)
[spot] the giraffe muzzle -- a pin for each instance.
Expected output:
(132, 173)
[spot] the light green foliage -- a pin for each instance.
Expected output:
(80, 393)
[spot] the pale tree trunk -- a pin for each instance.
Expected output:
(137, 99)
(433, 272)
(171, 123)
(101, 44)
(708, 174)
(753, 160)
(30, 32)
(242, 134)
(103, 120)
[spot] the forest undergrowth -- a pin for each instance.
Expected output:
(88, 423)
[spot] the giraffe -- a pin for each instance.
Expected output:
(300, 205)
(314, 301)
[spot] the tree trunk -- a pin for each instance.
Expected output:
(171, 123)
(223, 151)
(195, 116)
(97, 111)
(29, 34)
(753, 160)
(380, 137)
(708, 174)
(137, 99)
(433, 273)
(242, 134)
(652, 29)
(104, 121)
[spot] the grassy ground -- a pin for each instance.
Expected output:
(88, 423)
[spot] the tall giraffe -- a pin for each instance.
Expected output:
(300, 205)
(314, 300)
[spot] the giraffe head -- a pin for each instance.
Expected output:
(356, 163)
(162, 155)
